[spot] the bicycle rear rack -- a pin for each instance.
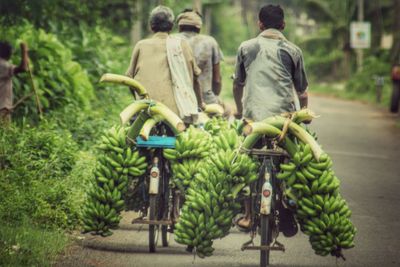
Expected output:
(265, 152)
(249, 245)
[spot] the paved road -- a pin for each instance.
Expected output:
(365, 147)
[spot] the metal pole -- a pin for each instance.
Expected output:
(360, 52)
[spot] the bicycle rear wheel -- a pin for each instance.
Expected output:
(153, 229)
(266, 233)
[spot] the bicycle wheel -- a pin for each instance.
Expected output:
(153, 229)
(266, 232)
(164, 235)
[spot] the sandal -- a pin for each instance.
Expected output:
(239, 227)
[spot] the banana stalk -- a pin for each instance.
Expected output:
(137, 125)
(214, 109)
(168, 116)
(148, 125)
(132, 109)
(124, 80)
(298, 116)
(256, 130)
(278, 122)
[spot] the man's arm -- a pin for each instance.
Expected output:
(303, 99)
(238, 95)
(217, 56)
(216, 79)
(238, 84)
(131, 71)
(197, 91)
(23, 66)
(301, 83)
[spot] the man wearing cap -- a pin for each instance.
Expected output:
(207, 53)
(166, 67)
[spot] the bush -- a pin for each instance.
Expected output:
(97, 49)
(39, 177)
(58, 79)
(363, 82)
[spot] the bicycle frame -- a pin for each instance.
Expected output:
(266, 195)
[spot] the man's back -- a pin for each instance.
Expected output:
(268, 67)
(149, 65)
(207, 53)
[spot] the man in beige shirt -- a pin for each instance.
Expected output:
(7, 71)
(149, 63)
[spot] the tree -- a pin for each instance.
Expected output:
(395, 51)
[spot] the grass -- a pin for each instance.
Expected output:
(26, 245)
(339, 90)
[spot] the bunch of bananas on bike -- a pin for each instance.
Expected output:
(191, 147)
(209, 169)
(321, 211)
(116, 167)
(211, 197)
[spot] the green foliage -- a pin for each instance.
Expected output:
(39, 177)
(97, 49)
(227, 70)
(229, 35)
(116, 14)
(363, 82)
(27, 245)
(323, 63)
(59, 80)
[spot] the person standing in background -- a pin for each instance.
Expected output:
(7, 71)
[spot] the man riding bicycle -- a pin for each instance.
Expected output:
(166, 67)
(269, 80)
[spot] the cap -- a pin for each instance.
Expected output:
(190, 18)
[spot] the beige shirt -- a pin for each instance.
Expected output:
(6, 90)
(149, 66)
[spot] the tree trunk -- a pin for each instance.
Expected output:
(376, 25)
(197, 6)
(395, 51)
(207, 19)
(136, 30)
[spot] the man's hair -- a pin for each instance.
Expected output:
(161, 19)
(5, 50)
(271, 16)
(188, 28)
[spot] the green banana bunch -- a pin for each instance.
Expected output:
(227, 139)
(216, 124)
(117, 167)
(238, 126)
(321, 211)
(211, 197)
(191, 147)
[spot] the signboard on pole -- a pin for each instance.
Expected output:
(360, 35)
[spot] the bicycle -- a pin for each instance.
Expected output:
(267, 198)
(164, 200)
